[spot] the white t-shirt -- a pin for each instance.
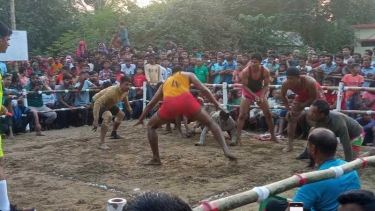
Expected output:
(128, 70)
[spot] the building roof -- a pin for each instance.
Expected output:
(363, 26)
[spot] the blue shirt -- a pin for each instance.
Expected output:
(228, 77)
(328, 69)
(365, 71)
(217, 68)
(323, 195)
(83, 98)
(3, 68)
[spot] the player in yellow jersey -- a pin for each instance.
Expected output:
(5, 34)
(177, 100)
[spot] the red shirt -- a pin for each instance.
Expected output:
(118, 77)
(332, 98)
(138, 82)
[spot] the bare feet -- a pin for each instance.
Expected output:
(154, 161)
(288, 148)
(103, 146)
(233, 143)
(230, 156)
(275, 139)
(199, 144)
(40, 133)
(167, 132)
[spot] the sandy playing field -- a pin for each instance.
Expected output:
(66, 171)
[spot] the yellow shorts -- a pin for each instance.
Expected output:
(1, 149)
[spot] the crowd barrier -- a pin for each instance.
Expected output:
(341, 88)
(259, 194)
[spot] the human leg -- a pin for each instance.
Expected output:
(267, 114)
(119, 117)
(292, 117)
(155, 122)
(107, 118)
(244, 114)
(4, 201)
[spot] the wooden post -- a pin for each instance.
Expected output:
(261, 193)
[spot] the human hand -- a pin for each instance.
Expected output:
(95, 125)
(139, 122)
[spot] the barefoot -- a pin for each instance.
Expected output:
(167, 132)
(239, 142)
(288, 148)
(154, 162)
(276, 139)
(39, 134)
(103, 146)
(198, 144)
(230, 156)
(233, 143)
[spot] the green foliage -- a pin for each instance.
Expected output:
(56, 26)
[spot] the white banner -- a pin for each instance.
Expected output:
(18, 49)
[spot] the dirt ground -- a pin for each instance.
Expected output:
(65, 171)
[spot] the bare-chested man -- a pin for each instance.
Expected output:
(177, 100)
(307, 91)
(255, 85)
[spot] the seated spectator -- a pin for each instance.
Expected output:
(22, 116)
(368, 125)
(128, 68)
(156, 201)
(49, 100)
(112, 80)
(226, 123)
(331, 95)
(302, 65)
(356, 200)
(233, 101)
(322, 195)
(65, 100)
(368, 98)
(64, 70)
(35, 101)
(23, 76)
(117, 71)
(106, 72)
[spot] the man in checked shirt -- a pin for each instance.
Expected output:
(226, 123)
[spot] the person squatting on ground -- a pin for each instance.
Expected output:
(307, 90)
(226, 123)
(105, 106)
(5, 205)
(177, 100)
(255, 85)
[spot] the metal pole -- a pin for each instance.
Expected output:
(13, 25)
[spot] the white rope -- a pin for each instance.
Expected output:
(262, 192)
(339, 171)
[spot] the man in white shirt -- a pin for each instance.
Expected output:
(303, 68)
(346, 50)
(128, 68)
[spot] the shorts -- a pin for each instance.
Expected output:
(114, 110)
(185, 104)
(250, 97)
(356, 142)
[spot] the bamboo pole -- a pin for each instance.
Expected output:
(248, 197)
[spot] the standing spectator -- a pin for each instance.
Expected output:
(35, 101)
(169, 45)
(367, 70)
(346, 51)
(124, 36)
(166, 71)
(82, 51)
(353, 98)
(55, 67)
(153, 75)
(229, 68)
(201, 71)
(328, 65)
(116, 42)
